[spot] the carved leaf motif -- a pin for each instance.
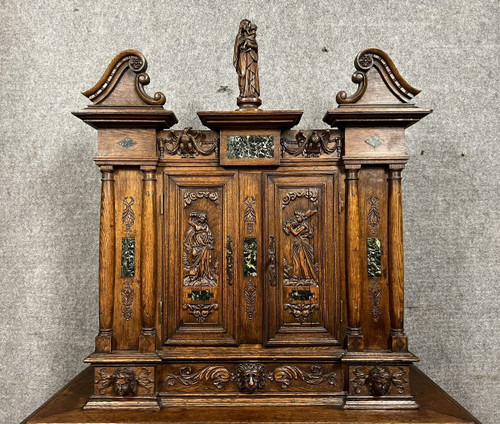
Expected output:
(249, 215)
(373, 214)
(127, 300)
(271, 266)
(375, 298)
(104, 381)
(218, 374)
(250, 297)
(144, 381)
(359, 379)
(399, 380)
(284, 374)
(128, 216)
(229, 260)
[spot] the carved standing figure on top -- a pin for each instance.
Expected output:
(245, 60)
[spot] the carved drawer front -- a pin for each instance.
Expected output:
(252, 380)
(301, 282)
(198, 272)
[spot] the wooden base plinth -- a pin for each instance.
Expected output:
(143, 403)
(67, 407)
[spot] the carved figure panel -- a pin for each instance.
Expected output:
(303, 269)
(199, 264)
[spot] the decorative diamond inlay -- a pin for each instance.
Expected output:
(374, 141)
(127, 142)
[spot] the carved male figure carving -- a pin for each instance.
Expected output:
(379, 381)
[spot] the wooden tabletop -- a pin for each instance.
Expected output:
(436, 406)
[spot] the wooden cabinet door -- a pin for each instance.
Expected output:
(200, 241)
(301, 281)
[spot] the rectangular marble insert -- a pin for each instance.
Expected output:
(250, 146)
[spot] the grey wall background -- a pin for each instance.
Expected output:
(53, 50)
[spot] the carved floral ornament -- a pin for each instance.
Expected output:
(378, 380)
(251, 376)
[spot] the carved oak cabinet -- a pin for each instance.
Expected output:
(251, 263)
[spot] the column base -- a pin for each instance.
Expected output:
(104, 342)
(147, 343)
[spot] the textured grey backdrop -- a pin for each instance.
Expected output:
(52, 50)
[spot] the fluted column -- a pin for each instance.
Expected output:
(103, 342)
(396, 260)
(353, 260)
(147, 339)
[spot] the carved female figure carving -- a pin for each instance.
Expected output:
(245, 60)
(304, 268)
(199, 243)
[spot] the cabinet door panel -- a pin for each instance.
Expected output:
(199, 275)
(301, 282)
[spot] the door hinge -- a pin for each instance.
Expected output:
(161, 310)
(162, 202)
(341, 310)
(341, 203)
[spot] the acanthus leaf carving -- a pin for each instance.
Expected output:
(218, 374)
(285, 374)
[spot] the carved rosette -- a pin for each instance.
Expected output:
(251, 376)
(378, 380)
(124, 381)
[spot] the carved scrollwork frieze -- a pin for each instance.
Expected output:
(191, 196)
(251, 376)
(187, 143)
(312, 144)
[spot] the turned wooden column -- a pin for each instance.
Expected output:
(147, 339)
(396, 260)
(103, 342)
(353, 260)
